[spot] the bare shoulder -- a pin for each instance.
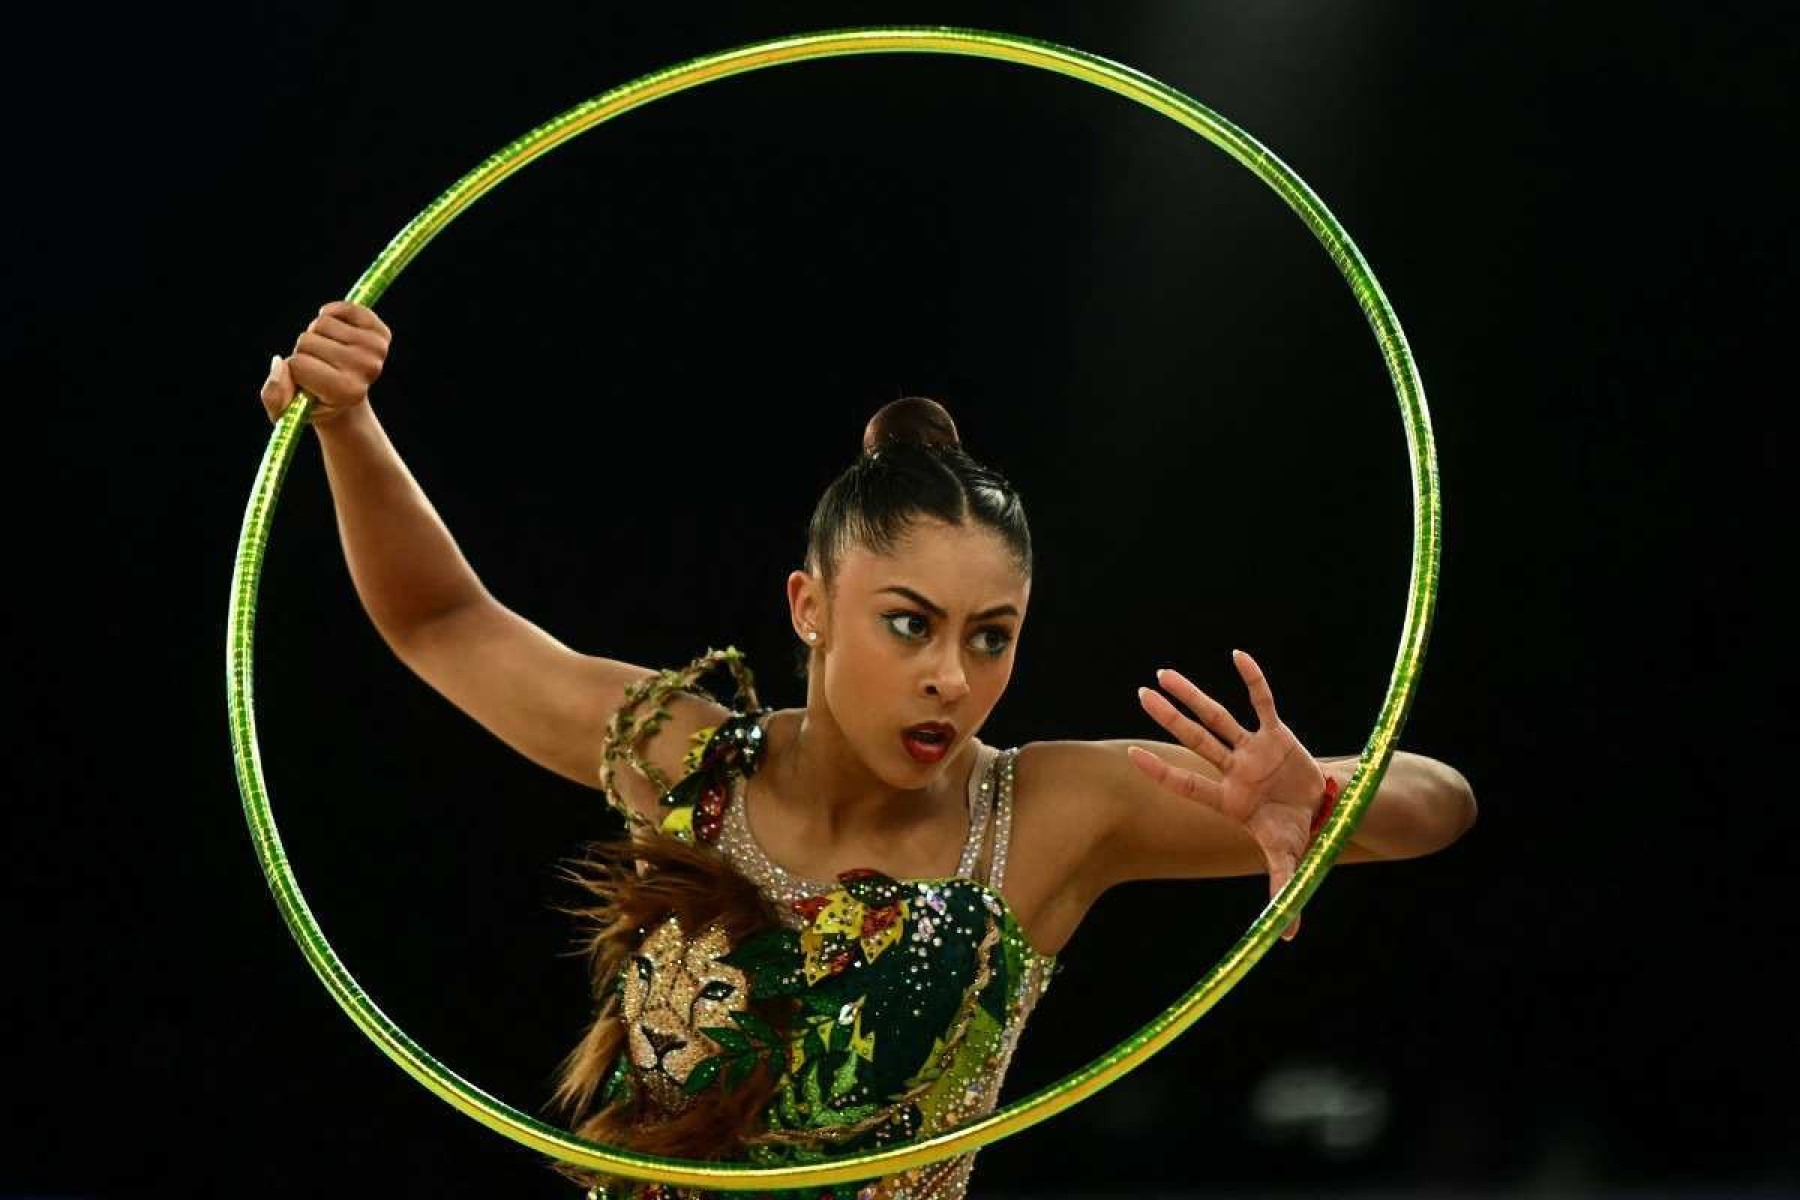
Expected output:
(1076, 782)
(1087, 819)
(1050, 877)
(657, 732)
(1066, 793)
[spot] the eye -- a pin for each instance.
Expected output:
(718, 989)
(892, 617)
(1001, 641)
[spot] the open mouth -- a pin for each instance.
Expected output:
(927, 742)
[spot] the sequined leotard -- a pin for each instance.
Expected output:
(910, 995)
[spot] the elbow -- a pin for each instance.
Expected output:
(1458, 808)
(1444, 810)
(1428, 812)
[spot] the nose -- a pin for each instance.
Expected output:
(661, 1043)
(947, 681)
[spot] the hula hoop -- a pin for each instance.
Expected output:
(1135, 1050)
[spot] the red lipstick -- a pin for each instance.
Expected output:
(928, 741)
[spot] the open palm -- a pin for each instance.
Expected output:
(1267, 781)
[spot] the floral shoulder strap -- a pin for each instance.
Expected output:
(697, 803)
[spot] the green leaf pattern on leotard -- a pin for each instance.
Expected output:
(907, 994)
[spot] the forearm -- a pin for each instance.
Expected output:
(1422, 806)
(405, 565)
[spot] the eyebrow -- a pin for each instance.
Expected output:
(1003, 610)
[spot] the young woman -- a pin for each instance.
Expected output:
(832, 921)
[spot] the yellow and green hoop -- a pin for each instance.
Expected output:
(1135, 1050)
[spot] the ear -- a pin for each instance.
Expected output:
(806, 605)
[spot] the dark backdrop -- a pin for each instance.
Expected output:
(625, 377)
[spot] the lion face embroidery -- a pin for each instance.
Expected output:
(675, 987)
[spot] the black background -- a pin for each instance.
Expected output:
(625, 377)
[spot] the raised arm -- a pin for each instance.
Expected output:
(546, 701)
(1228, 801)
(1142, 829)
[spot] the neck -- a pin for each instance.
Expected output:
(829, 794)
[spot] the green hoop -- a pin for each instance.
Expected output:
(1135, 1050)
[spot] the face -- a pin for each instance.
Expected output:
(928, 632)
(675, 987)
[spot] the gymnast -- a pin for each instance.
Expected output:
(827, 925)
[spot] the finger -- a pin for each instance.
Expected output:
(277, 389)
(1261, 698)
(339, 330)
(1192, 734)
(351, 360)
(1217, 717)
(321, 378)
(354, 314)
(1182, 782)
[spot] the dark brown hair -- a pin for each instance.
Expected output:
(912, 465)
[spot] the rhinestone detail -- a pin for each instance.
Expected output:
(738, 843)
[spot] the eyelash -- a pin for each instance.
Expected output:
(1006, 639)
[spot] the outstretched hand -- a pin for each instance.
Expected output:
(1268, 782)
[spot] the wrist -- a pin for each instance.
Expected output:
(344, 421)
(1329, 792)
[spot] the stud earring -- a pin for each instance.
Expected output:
(812, 635)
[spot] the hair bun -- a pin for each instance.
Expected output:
(910, 419)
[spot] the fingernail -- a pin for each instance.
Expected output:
(274, 365)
